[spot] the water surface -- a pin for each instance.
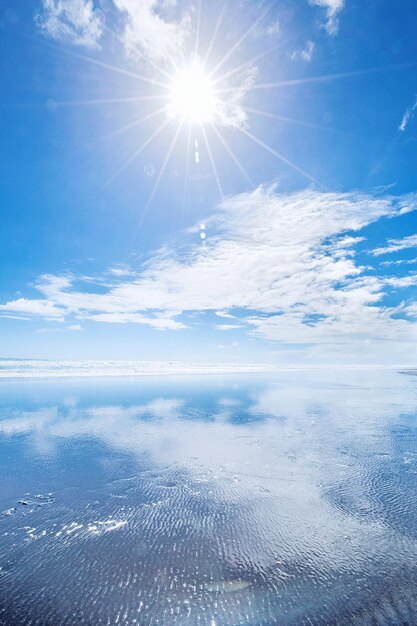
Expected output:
(251, 500)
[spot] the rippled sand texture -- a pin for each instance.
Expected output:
(287, 499)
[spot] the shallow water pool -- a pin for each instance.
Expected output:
(281, 499)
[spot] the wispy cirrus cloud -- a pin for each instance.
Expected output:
(333, 8)
(395, 245)
(120, 270)
(407, 117)
(304, 54)
(283, 265)
(227, 326)
(399, 262)
(70, 21)
(274, 28)
(160, 321)
(57, 329)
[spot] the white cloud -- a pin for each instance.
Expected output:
(282, 263)
(274, 28)
(72, 21)
(395, 245)
(230, 110)
(121, 270)
(333, 7)
(401, 281)
(408, 115)
(61, 329)
(399, 262)
(411, 310)
(227, 326)
(406, 209)
(225, 314)
(159, 322)
(146, 32)
(305, 54)
(42, 308)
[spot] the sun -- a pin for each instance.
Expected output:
(192, 95)
(197, 99)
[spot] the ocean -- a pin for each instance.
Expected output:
(220, 499)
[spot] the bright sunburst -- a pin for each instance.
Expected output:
(202, 97)
(192, 95)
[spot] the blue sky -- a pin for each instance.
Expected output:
(275, 223)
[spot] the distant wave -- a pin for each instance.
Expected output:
(44, 368)
(15, 368)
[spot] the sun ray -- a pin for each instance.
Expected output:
(275, 153)
(171, 61)
(330, 77)
(110, 30)
(233, 156)
(122, 129)
(114, 68)
(104, 65)
(161, 173)
(136, 153)
(212, 162)
(75, 103)
(240, 40)
(214, 35)
(239, 68)
(186, 170)
(290, 120)
(197, 29)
